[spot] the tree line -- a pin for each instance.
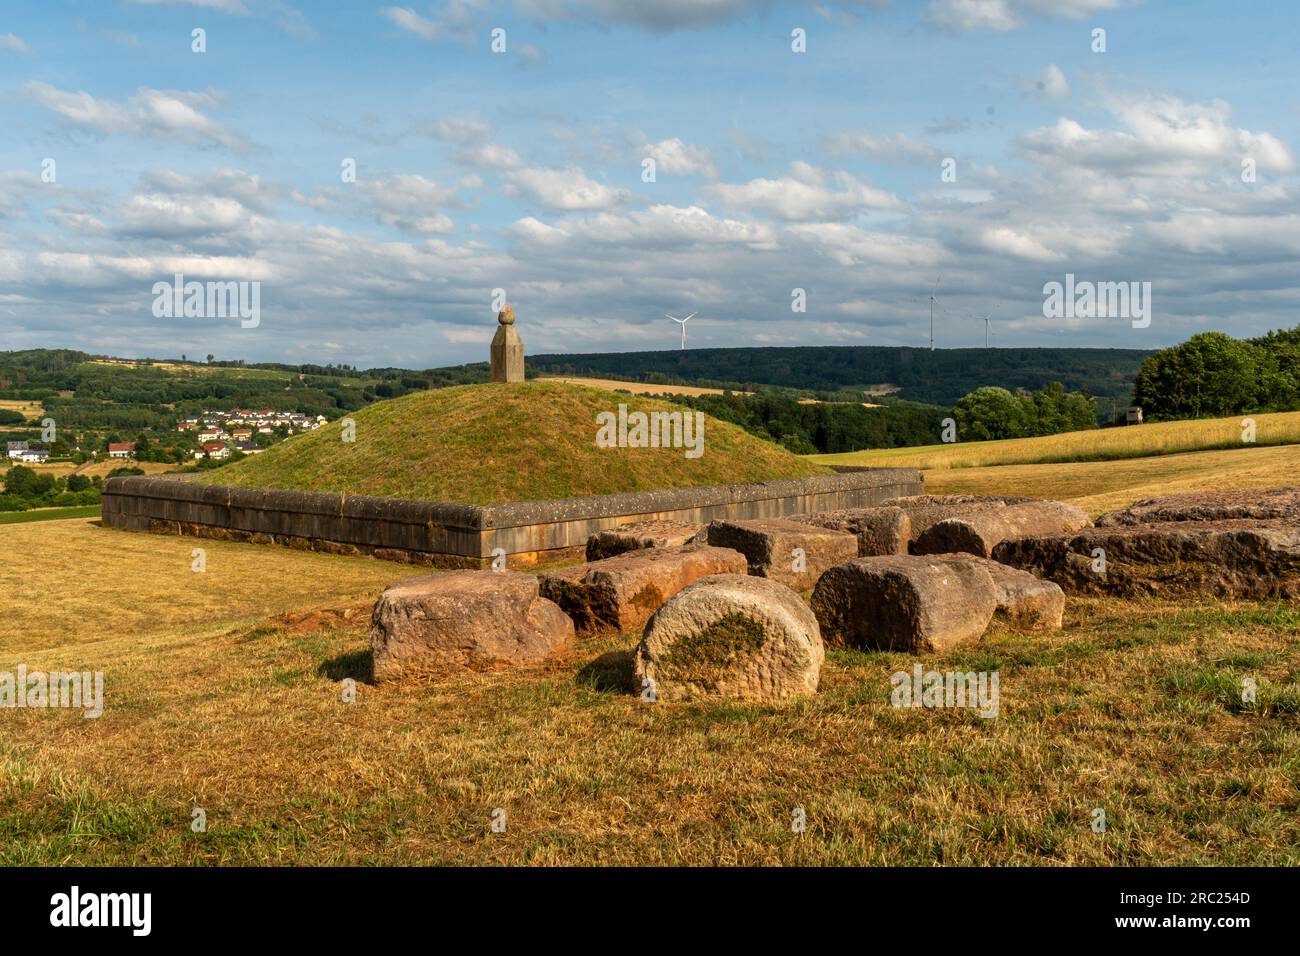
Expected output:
(1213, 375)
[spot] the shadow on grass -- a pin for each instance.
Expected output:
(614, 672)
(359, 665)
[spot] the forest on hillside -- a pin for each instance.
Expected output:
(940, 377)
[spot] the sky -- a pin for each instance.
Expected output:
(820, 170)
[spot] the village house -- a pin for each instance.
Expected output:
(216, 450)
(250, 447)
(16, 449)
(121, 449)
(34, 456)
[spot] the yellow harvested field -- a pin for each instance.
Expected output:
(1138, 441)
(102, 468)
(24, 407)
(140, 589)
(1098, 486)
(61, 469)
(818, 401)
(639, 388)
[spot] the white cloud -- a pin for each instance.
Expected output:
(490, 156)
(659, 15)
(851, 246)
(564, 189)
(677, 157)
(898, 148)
(805, 195)
(455, 20)
(476, 149)
(667, 15)
(226, 6)
(1051, 83)
(1012, 242)
(1008, 14)
(410, 202)
(654, 227)
(1074, 9)
(148, 112)
(12, 44)
(462, 129)
(971, 15)
(412, 22)
(1161, 134)
(162, 215)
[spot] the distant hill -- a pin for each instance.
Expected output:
(940, 377)
(488, 443)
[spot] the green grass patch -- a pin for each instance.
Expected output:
(49, 514)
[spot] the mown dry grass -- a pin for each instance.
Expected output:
(1103, 444)
(217, 699)
(71, 583)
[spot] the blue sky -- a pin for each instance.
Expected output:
(522, 170)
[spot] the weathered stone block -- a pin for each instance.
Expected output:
(925, 510)
(883, 530)
(1024, 601)
(731, 636)
(979, 533)
(786, 551)
(465, 619)
(637, 535)
(912, 603)
(1238, 558)
(1263, 504)
(620, 593)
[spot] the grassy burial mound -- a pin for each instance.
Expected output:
(481, 444)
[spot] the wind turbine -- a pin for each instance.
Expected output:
(986, 330)
(682, 323)
(933, 290)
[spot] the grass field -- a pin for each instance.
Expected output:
(217, 698)
(490, 443)
(102, 468)
(1103, 444)
(48, 514)
(1108, 468)
(61, 469)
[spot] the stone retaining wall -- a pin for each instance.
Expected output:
(464, 536)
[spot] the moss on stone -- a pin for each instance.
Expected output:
(703, 658)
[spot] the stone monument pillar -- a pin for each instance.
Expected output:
(507, 350)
